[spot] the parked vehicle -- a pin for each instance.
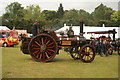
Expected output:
(8, 38)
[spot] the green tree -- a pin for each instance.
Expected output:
(115, 17)
(14, 14)
(15, 11)
(84, 15)
(0, 20)
(32, 13)
(71, 14)
(51, 20)
(48, 15)
(102, 12)
(71, 17)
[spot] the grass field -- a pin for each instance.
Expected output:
(17, 65)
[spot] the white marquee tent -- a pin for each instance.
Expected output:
(4, 28)
(90, 29)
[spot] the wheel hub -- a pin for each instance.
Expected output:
(42, 48)
(87, 54)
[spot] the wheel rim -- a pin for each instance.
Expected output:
(87, 54)
(5, 44)
(74, 55)
(43, 48)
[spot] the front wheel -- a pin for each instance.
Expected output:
(5, 44)
(87, 53)
(74, 53)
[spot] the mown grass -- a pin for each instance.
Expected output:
(18, 65)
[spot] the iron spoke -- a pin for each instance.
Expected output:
(37, 43)
(35, 48)
(50, 44)
(47, 55)
(47, 42)
(35, 52)
(87, 58)
(90, 57)
(84, 57)
(40, 56)
(51, 50)
(50, 47)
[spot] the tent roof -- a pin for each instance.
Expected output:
(86, 29)
(4, 28)
(101, 32)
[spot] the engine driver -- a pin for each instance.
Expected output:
(70, 32)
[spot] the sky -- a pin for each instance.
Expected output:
(88, 5)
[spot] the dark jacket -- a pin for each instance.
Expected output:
(70, 33)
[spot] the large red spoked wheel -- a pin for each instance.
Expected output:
(87, 53)
(43, 48)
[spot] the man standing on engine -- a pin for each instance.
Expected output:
(36, 28)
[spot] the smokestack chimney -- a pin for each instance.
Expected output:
(114, 32)
(81, 26)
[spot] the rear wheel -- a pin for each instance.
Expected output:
(43, 48)
(87, 54)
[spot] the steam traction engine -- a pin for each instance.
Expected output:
(112, 44)
(47, 44)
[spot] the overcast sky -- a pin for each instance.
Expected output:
(88, 5)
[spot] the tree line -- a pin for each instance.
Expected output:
(23, 18)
